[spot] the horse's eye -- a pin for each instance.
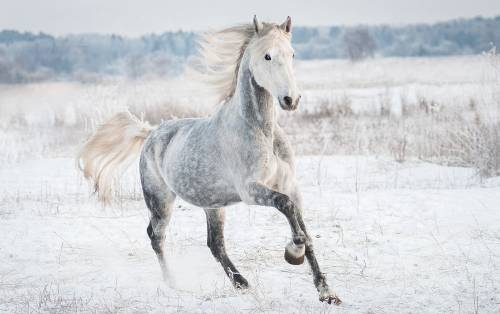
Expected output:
(267, 57)
(293, 56)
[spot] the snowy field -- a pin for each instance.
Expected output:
(394, 235)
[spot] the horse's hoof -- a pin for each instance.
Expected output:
(329, 297)
(239, 282)
(294, 254)
(293, 260)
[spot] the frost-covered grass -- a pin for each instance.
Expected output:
(412, 237)
(444, 110)
(450, 136)
(398, 162)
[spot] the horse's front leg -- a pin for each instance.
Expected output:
(325, 294)
(258, 194)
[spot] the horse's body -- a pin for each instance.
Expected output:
(238, 154)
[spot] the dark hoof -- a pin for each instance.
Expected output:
(239, 282)
(294, 253)
(293, 259)
(332, 299)
(329, 297)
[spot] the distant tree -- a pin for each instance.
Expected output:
(6, 69)
(31, 57)
(303, 34)
(358, 43)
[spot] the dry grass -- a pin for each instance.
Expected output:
(55, 135)
(451, 136)
(462, 132)
(51, 298)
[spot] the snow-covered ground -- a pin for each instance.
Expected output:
(392, 237)
(411, 237)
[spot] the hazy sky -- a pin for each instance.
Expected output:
(138, 17)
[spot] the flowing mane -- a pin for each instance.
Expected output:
(220, 54)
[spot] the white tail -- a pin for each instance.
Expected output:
(110, 150)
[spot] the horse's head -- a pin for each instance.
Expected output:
(271, 61)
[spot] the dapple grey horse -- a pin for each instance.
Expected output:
(239, 154)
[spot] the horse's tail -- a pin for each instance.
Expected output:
(110, 150)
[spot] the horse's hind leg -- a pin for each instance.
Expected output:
(215, 241)
(160, 203)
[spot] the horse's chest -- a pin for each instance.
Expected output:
(270, 166)
(263, 162)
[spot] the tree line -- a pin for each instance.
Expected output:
(29, 57)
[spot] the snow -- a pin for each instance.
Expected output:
(392, 237)
(446, 81)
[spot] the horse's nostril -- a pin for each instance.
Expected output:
(288, 100)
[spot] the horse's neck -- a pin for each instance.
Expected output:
(254, 103)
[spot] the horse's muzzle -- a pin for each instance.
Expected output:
(287, 103)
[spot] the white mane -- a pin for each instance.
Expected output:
(220, 54)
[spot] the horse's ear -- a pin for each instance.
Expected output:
(287, 25)
(257, 24)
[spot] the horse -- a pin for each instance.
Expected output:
(238, 154)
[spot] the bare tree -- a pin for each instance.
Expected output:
(359, 44)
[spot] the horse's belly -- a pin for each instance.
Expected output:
(207, 197)
(207, 192)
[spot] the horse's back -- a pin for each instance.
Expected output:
(159, 139)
